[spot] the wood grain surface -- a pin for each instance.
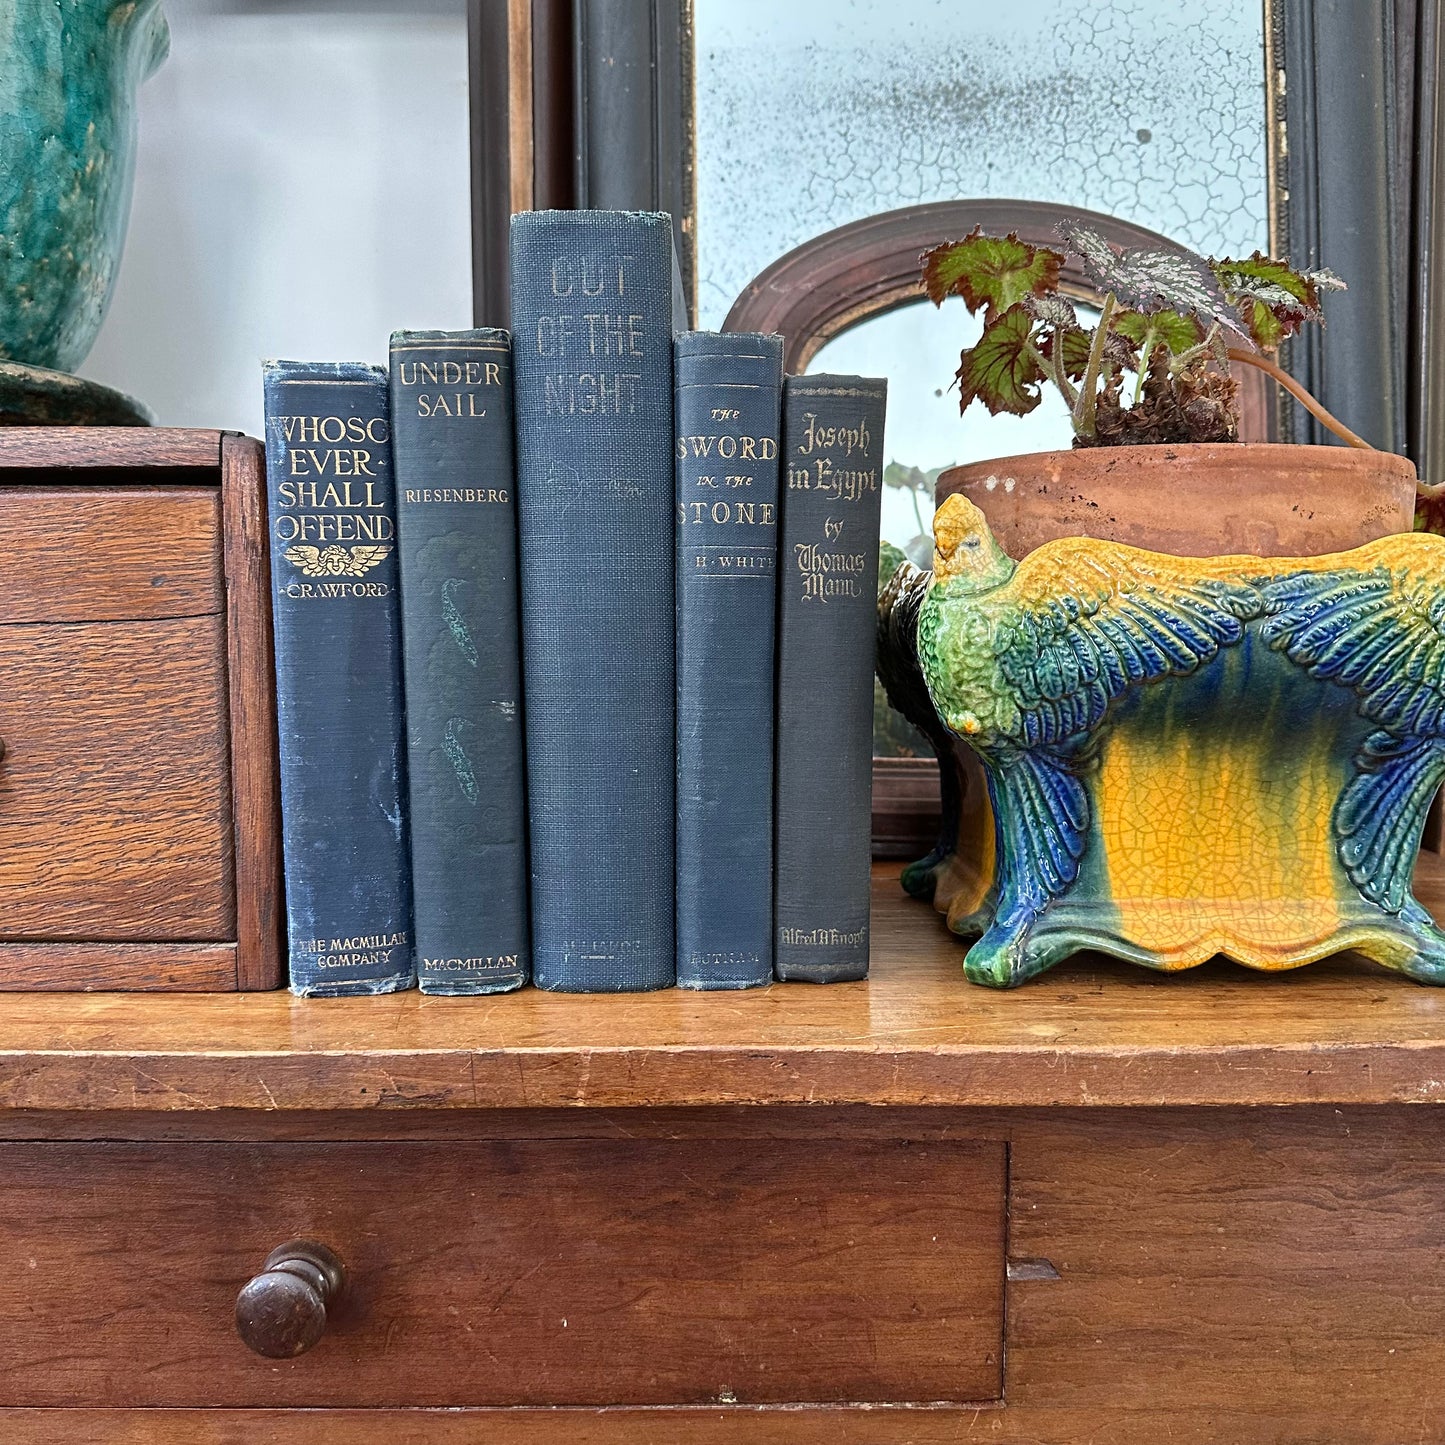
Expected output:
(745, 1121)
(1236, 1277)
(93, 554)
(730, 1426)
(817, 1426)
(109, 447)
(534, 1273)
(255, 768)
(139, 799)
(1091, 1033)
(115, 808)
(1260, 1264)
(82, 967)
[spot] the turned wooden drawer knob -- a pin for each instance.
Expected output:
(282, 1312)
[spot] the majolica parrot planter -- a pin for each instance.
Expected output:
(1190, 756)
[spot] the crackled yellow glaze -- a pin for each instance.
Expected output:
(1207, 850)
(1190, 756)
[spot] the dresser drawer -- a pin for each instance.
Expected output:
(138, 750)
(551, 1272)
(115, 808)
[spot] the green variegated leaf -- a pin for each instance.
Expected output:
(1260, 275)
(989, 272)
(1076, 349)
(1170, 328)
(1002, 371)
(1274, 298)
(1053, 310)
(1273, 295)
(1264, 326)
(1151, 281)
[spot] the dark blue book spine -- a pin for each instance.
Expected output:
(827, 627)
(728, 409)
(451, 416)
(338, 677)
(592, 319)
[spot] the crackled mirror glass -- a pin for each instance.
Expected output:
(1149, 110)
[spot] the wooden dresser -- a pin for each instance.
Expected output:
(1111, 1207)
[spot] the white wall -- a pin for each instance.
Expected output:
(301, 190)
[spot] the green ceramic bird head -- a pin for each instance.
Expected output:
(964, 550)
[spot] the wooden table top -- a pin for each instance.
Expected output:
(1092, 1032)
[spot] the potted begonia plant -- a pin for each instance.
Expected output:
(1153, 399)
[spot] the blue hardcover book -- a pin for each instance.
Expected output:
(827, 632)
(456, 517)
(728, 408)
(338, 677)
(592, 320)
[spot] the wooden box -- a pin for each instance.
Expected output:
(139, 838)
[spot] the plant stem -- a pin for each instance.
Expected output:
(918, 516)
(1086, 405)
(1186, 359)
(1146, 347)
(1314, 408)
(1054, 368)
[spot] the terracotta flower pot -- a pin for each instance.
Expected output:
(1197, 500)
(1194, 500)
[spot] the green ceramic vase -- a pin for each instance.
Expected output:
(69, 70)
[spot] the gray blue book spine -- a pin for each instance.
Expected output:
(592, 320)
(451, 413)
(728, 410)
(827, 625)
(338, 677)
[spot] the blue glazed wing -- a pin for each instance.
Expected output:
(1082, 622)
(1042, 814)
(1381, 635)
(1077, 625)
(1378, 817)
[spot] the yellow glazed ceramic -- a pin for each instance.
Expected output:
(1191, 756)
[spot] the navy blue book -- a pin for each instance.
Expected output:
(338, 677)
(592, 320)
(456, 516)
(827, 629)
(728, 409)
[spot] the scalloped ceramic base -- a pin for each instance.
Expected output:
(1212, 822)
(1211, 835)
(1003, 959)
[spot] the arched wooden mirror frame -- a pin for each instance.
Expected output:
(868, 267)
(858, 271)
